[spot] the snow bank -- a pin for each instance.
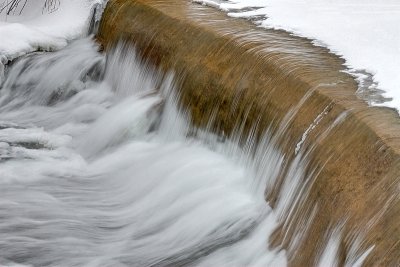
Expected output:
(365, 32)
(38, 29)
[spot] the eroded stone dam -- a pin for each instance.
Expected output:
(183, 137)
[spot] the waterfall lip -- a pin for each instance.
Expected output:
(231, 71)
(339, 88)
(342, 39)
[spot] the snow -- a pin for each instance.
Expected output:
(365, 32)
(41, 29)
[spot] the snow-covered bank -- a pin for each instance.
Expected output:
(40, 29)
(365, 32)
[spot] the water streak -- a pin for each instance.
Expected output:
(100, 172)
(100, 167)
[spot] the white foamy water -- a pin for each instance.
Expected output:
(99, 167)
(96, 169)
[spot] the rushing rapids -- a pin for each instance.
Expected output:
(100, 167)
(100, 172)
(233, 149)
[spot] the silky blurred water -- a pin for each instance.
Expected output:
(97, 168)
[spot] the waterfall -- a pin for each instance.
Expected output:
(100, 166)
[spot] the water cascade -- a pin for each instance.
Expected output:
(144, 155)
(233, 75)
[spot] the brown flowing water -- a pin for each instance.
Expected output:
(233, 75)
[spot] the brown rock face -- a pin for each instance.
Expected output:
(240, 75)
